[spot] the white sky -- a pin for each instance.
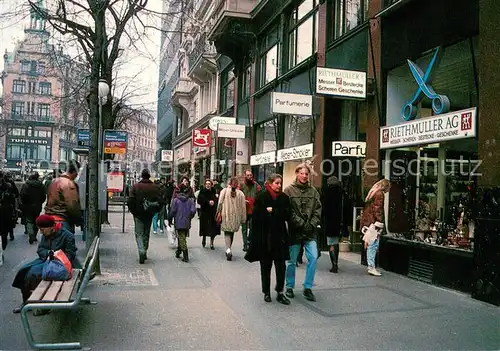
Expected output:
(142, 64)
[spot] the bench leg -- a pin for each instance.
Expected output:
(87, 301)
(48, 346)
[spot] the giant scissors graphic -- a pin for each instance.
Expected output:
(440, 103)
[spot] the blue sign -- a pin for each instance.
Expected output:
(83, 138)
(440, 103)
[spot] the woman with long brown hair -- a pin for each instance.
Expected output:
(232, 209)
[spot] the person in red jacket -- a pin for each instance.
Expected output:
(250, 189)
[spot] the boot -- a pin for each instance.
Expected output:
(185, 256)
(337, 254)
(334, 268)
(178, 252)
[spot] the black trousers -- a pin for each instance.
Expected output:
(266, 265)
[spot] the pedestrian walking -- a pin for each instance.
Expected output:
(181, 213)
(32, 197)
(14, 216)
(373, 219)
(159, 216)
(231, 212)
(305, 216)
(269, 240)
(250, 189)
(185, 182)
(7, 207)
(169, 193)
(63, 199)
(207, 200)
(145, 200)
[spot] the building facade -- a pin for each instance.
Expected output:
(40, 113)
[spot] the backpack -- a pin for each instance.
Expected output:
(151, 207)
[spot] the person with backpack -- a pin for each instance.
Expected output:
(145, 200)
(181, 213)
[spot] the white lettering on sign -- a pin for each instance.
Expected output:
(291, 104)
(295, 153)
(262, 159)
(340, 82)
(455, 125)
(348, 149)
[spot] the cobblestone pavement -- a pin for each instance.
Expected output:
(210, 303)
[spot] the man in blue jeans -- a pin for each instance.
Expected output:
(305, 216)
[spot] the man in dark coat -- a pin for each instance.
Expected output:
(15, 214)
(146, 199)
(32, 196)
(7, 208)
(54, 238)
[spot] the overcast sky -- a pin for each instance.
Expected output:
(143, 64)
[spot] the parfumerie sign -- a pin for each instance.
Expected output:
(456, 125)
(291, 104)
(348, 149)
(295, 153)
(262, 159)
(339, 82)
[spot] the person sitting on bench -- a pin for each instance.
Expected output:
(54, 238)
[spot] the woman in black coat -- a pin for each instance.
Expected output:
(269, 240)
(207, 199)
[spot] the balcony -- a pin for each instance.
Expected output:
(202, 60)
(183, 90)
(29, 118)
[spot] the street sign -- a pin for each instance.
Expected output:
(115, 142)
(167, 155)
(83, 138)
(114, 182)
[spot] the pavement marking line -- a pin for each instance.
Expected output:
(152, 276)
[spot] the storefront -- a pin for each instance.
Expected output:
(431, 158)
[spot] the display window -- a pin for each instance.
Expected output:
(265, 141)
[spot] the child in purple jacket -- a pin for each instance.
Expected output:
(182, 210)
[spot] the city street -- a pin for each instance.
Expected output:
(210, 303)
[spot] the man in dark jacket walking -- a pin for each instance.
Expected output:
(305, 216)
(7, 208)
(250, 189)
(32, 196)
(146, 199)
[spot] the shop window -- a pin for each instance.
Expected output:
(45, 88)
(348, 14)
(269, 67)
(298, 130)
(227, 90)
(265, 138)
(19, 86)
(303, 32)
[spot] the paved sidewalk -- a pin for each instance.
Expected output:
(210, 303)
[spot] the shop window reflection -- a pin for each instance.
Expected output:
(297, 130)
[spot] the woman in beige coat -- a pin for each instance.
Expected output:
(232, 208)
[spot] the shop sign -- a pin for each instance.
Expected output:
(114, 182)
(339, 82)
(291, 104)
(262, 159)
(235, 131)
(295, 153)
(167, 155)
(214, 121)
(348, 149)
(201, 137)
(242, 151)
(450, 126)
(179, 154)
(28, 141)
(115, 142)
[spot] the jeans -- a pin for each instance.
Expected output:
(142, 232)
(246, 230)
(371, 252)
(160, 216)
(311, 250)
(31, 227)
(265, 274)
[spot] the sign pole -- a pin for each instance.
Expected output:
(124, 200)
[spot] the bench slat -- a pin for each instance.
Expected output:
(69, 286)
(40, 291)
(53, 291)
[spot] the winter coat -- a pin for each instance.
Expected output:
(269, 233)
(250, 192)
(144, 190)
(305, 215)
(374, 210)
(32, 196)
(63, 200)
(62, 239)
(182, 211)
(7, 206)
(208, 224)
(232, 209)
(337, 211)
(169, 192)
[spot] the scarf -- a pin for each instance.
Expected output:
(271, 192)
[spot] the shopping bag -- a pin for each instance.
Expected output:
(172, 236)
(61, 256)
(54, 269)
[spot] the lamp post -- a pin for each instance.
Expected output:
(103, 98)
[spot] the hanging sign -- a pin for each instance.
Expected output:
(348, 149)
(167, 155)
(339, 82)
(291, 104)
(262, 159)
(115, 142)
(235, 131)
(295, 153)
(201, 137)
(450, 126)
(214, 121)
(83, 138)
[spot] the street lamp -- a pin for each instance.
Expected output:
(103, 98)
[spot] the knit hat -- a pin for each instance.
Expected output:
(45, 221)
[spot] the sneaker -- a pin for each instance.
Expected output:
(289, 293)
(308, 294)
(155, 233)
(229, 256)
(373, 271)
(161, 231)
(282, 299)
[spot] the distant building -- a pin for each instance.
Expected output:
(40, 109)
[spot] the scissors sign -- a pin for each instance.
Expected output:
(440, 103)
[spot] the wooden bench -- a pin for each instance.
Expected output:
(61, 295)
